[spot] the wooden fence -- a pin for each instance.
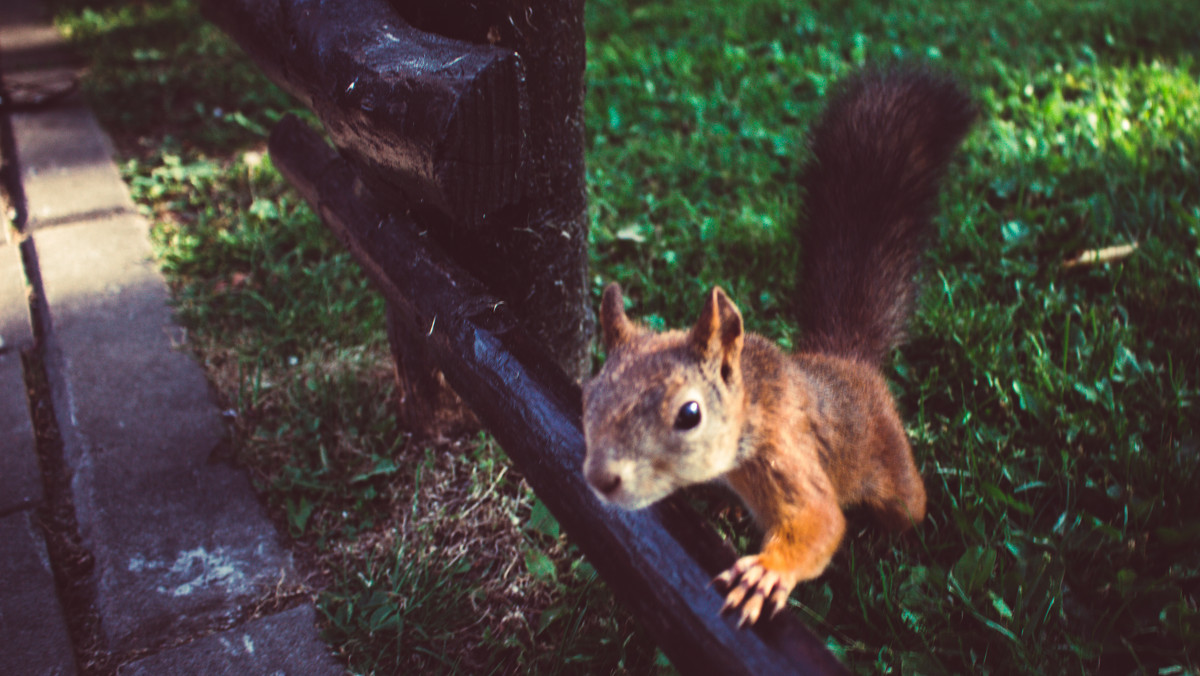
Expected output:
(445, 154)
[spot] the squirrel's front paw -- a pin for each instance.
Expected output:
(750, 584)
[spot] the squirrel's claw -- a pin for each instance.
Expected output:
(749, 585)
(779, 599)
(751, 610)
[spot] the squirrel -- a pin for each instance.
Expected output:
(797, 436)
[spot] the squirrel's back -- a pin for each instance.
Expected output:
(879, 151)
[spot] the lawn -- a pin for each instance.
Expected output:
(1053, 409)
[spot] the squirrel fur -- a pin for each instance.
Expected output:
(797, 436)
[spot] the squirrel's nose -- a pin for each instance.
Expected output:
(605, 482)
(608, 484)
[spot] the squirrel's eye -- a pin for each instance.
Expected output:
(688, 416)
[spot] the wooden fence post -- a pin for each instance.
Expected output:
(548, 231)
(481, 143)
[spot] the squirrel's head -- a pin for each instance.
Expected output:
(665, 411)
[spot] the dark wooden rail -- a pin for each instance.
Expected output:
(658, 561)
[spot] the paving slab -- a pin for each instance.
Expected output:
(20, 478)
(16, 330)
(64, 157)
(282, 644)
(34, 633)
(32, 51)
(124, 391)
(180, 544)
(28, 38)
(66, 165)
(175, 553)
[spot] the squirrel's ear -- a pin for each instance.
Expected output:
(718, 333)
(615, 327)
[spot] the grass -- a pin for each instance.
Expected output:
(1053, 410)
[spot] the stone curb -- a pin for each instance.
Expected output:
(180, 544)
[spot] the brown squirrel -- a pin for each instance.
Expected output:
(797, 437)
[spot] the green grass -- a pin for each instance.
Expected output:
(1053, 411)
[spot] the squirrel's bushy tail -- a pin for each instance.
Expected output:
(879, 151)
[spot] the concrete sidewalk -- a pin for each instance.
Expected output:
(181, 551)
